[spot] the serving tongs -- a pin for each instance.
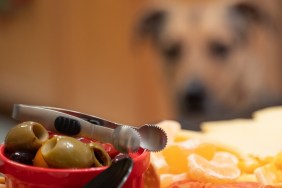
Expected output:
(124, 138)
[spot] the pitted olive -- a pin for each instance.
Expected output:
(67, 152)
(101, 157)
(26, 136)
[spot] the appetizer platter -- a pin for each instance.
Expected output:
(240, 153)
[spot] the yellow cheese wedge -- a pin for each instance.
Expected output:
(260, 136)
(269, 117)
(227, 124)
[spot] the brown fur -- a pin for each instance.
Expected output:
(231, 48)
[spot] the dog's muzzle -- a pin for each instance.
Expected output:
(194, 98)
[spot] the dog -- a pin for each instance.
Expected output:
(221, 58)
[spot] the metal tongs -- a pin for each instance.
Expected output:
(124, 138)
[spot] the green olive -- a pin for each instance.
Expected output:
(101, 157)
(26, 136)
(67, 152)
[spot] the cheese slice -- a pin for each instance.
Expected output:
(260, 136)
(226, 125)
(270, 117)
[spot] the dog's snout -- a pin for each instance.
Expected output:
(194, 97)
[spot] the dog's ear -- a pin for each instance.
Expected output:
(244, 15)
(247, 12)
(150, 24)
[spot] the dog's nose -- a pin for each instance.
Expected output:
(194, 97)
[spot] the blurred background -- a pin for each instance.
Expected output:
(78, 55)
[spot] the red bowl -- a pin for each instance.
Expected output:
(24, 176)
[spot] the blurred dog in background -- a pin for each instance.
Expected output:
(221, 57)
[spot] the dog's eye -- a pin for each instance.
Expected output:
(218, 49)
(172, 52)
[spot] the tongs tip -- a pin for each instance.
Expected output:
(154, 138)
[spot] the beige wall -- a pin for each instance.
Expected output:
(79, 55)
